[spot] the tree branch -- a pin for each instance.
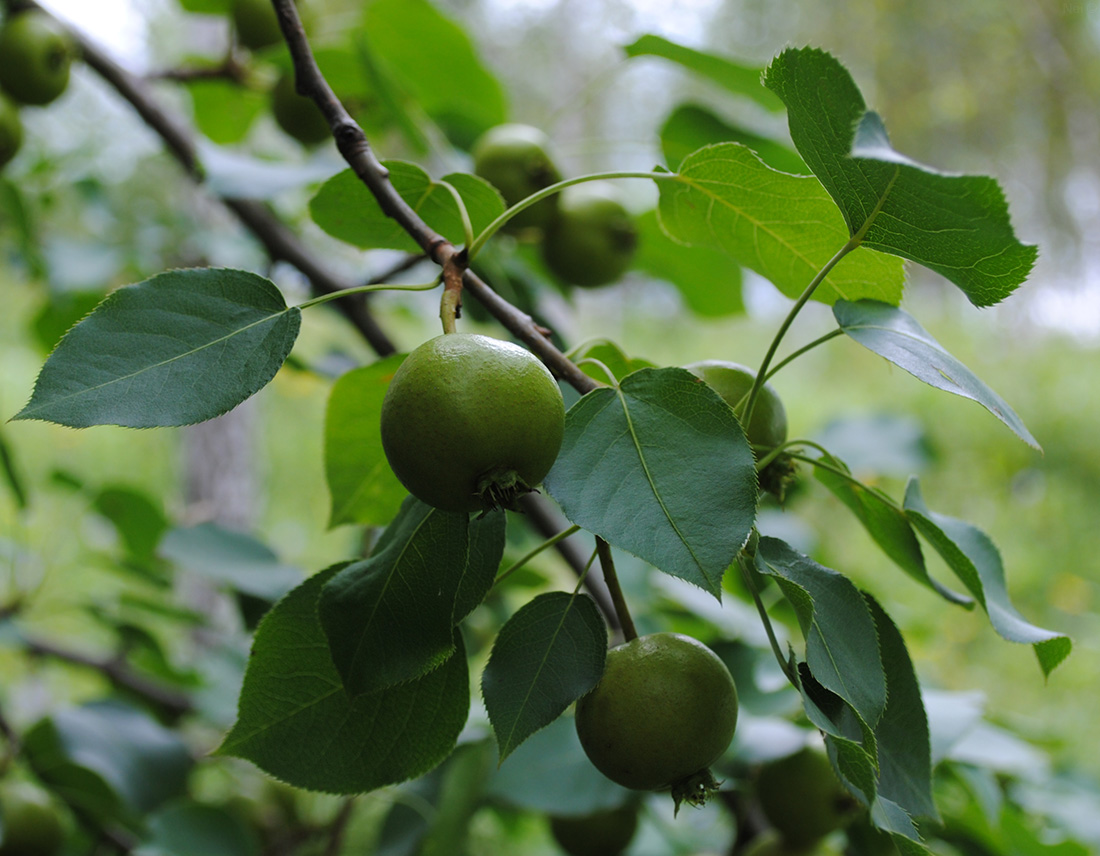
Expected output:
(360, 156)
(173, 704)
(279, 241)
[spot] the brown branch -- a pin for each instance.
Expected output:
(173, 704)
(281, 243)
(360, 156)
(544, 520)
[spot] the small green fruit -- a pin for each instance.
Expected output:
(514, 159)
(593, 239)
(11, 130)
(471, 423)
(30, 823)
(299, 117)
(256, 24)
(732, 381)
(802, 797)
(663, 712)
(602, 833)
(35, 55)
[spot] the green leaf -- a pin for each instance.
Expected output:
(708, 280)
(733, 76)
(895, 335)
(612, 356)
(886, 523)
(139, 520)
(974, 558)
(182, 347)
(660, 468)
(549, 654)
(110, 758)
(11, 474)
(956, 225)
(550, 774)
(232, 559)
(188, 828)
(363, 487)
(347, 210)
(293, 697)
(390, 618)
(460, 796)
(690, 127)
(212, 7)
(784, 227)
(223, 109)
(434, 60)
(841, 644)
(904, 744)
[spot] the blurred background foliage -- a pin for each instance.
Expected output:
(978, 85)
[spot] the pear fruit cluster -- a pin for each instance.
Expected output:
(588, 238)
(35, 58)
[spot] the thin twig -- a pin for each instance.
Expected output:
(360, 156)
(173, 704)
(280, 242)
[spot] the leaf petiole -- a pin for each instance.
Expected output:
(803, 299)
(495, 226)
(549, 542)
(366, 289)
(746, 575)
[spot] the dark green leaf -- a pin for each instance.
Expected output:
(957, 225)
(293, 697)
(59, 313)
(551, 774)
(690, 127)
(841, 645)
(223, 109)
(190, 829)
(390, 618)
(708, 280)
(233, 559)
(784, 227)
(886, 522)
(11, 474)
(182, 347)
(733, 76)
(212, 7)
(110, 758)
(660, 468)
(347, 210)
(460, 795)
(904, 744)
(974, 558)
(435, 61)
(549, 654)
(895, 335)
(610, 355)
(363, 487)
(140, 520)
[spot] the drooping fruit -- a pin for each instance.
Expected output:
(11, 130)
(30, 822)
(298, 116)
(732, 381)
(35, 56)
(663, 712)
(593, 239)
(256, 23)
(602, 833)
(470, 423)
(802, 797)
(515, 160)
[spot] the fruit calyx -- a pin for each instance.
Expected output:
(695, 789)
(501, 487)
